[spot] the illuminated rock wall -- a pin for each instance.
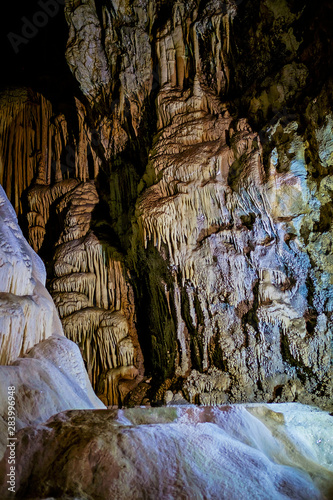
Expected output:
(185, 217)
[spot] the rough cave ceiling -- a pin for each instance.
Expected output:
(172, 164)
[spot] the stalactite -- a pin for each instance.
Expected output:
(90, 288)
(70, 302)
(234, 285)
(33, 142)
(78, 282)
(103, 337)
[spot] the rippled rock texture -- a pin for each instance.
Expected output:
(183, 201)
(223, 453)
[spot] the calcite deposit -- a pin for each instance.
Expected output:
(181, 199)
(90, 288)
(221, 453)
(27, 315)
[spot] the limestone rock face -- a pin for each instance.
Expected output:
(255, 451)
(182, 202)
(210, 214)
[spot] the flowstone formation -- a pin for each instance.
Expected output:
(238, 287)
(44, 370)
(90, 288)
(258, 451)
(28, 315)
(182, 200)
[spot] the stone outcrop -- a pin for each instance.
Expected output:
(183, 204)
(227, 453)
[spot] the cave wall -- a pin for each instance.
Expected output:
(183, 203)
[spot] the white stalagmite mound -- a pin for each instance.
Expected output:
(45, 368)
(27, 313)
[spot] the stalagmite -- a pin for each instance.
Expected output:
(108, 390)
